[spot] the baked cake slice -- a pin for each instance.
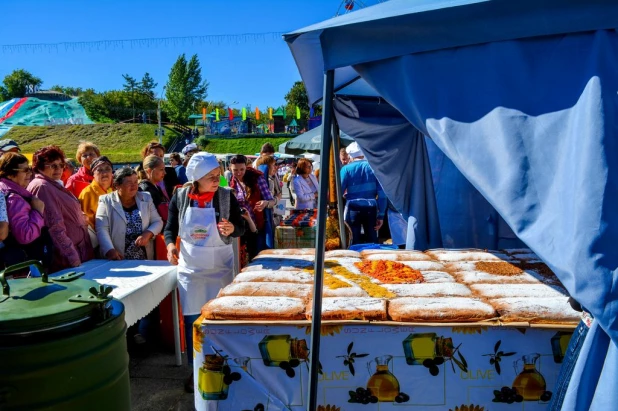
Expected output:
(439, 309)
(254, 308)
(351, 309)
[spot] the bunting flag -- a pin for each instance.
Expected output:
(203, 113)
(284, 113)
(270, 113)
(257, 113)
(311, 113)
(297, 113)
(244, 114)
(217, 114)
(230, 113)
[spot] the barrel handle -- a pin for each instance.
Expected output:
(18, 267)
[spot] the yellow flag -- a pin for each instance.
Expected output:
(217, 114)
(270, 113)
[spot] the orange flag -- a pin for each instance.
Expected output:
(257, 113)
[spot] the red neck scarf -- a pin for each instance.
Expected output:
(202, 199)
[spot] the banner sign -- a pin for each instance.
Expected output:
(377, 367)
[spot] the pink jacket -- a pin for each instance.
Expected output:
(66, 222)
(25, 223)
(78, 181)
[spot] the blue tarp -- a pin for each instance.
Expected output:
(521, 97)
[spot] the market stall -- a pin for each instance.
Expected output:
(475, 78)
(440, 329)
(139, 284)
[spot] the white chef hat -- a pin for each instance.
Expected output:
(354, 150)
(201, 164)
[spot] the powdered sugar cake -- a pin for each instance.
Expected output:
(424, 265)
(518, 290)
(394, 255)
(263, 289)
(270, 276)
(480, 277)
(429, 290)
(437, 277)
(468, 255)
(439, 309)
(536, 310)
(522, 250)
(254, 308)
(351, 309)
(341, 253)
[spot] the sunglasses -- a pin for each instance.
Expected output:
(103, 170)
(26, 169)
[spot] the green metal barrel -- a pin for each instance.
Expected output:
(78, 363)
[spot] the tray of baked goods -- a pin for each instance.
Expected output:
(507, 287)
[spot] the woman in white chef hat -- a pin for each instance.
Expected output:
(206, 217)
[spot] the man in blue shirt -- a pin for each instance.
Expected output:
(365, 199)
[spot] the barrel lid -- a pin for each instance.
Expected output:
(40, 304)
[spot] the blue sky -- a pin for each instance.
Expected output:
(250, 72)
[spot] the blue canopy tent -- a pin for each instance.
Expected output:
(521, 97)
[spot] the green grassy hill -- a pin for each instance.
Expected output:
(120, 142)
(243, 145)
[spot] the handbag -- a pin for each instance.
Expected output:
(41, 249)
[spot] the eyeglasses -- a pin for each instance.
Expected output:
(56, 166)
(89, 155)
(26, 170)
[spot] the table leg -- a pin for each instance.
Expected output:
(176, 323)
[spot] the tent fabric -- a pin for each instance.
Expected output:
(400, 27)
(310, 141)
(374, 127)
(537, 137)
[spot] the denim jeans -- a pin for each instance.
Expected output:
(361, 213)
(189, 320)
(570, 358)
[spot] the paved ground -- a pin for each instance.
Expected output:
(156, 383)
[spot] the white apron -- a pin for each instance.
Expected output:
(206, 262)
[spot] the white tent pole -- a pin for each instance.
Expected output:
(316, 320)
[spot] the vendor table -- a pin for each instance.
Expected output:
(377, 366)
(139, 284)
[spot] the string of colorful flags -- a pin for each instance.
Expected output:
(230, 113)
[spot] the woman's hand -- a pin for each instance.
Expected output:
(225, 227)
(172, 254)
(37, 204)
(113, 254)
(143, 239)
(260, 205)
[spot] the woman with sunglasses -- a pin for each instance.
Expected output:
(87, 152)
(63, 215)
(206, 217)
(25, 211)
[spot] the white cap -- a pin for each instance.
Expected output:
(189, 147)
(354, 150)
(201, 164)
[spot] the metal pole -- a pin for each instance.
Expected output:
(159, 119)
(336, 147)
(316, 320)
(176, 322)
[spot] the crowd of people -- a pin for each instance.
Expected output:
(64, 217)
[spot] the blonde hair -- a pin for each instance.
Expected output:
(267, 160)
(85, 146)
(149, 163)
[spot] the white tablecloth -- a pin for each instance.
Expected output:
(140, 284)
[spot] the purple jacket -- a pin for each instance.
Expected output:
(25, 223)
(66, 222)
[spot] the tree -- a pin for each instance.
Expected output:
(130, 86)
(148, 85)
(14, 84)
(297, 97)
(184, 88)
